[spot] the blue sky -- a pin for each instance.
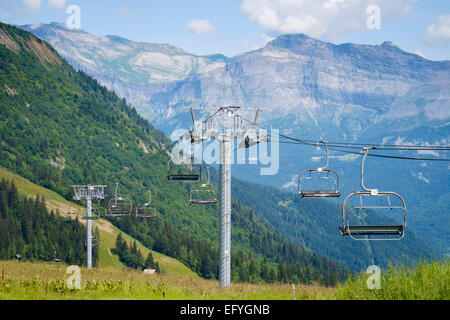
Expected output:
(231, 27)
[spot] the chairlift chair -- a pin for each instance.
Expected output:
(146, 210)
(119, 206)
(363, 232)
(56, 260)
(325, 174)
(188, 177)
(204, 193)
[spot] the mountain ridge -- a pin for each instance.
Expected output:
(146, 95)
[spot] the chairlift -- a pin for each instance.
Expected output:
(204, 193)
(362, 232)
(178, 176)
(146, 210)
(119, 206)
(328, 179)
(55, 259)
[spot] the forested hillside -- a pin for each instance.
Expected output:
(29, 230)
(259, 254)
(60, 127)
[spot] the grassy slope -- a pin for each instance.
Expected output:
(428, 280)
(41, 281)
(28, 281)
(108, 232)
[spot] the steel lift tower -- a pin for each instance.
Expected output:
(225, 125)
(89, 193)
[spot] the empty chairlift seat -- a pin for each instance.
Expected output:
(320, 182)
(146, 210)
(119, 206)
(358, 216)
(311, 179)
(205, 193)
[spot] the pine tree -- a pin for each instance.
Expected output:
(134, 249)
(149, 262)
(3, 204)
(121, 245)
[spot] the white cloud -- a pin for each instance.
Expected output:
(245, 44)
(319, 18)
(266, 38)
(421, 177)
(201, 27)
(32, 5)
(10, 10)
(59, 4)
(248, 45)
(430, 152)
(291, 183)
(438, 34)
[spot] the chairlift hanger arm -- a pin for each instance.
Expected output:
(193, 116)
(256, 122)
(327, 155)
(372, 191)
(115, 189)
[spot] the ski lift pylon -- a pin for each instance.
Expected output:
(331, 175)
(357, 232)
